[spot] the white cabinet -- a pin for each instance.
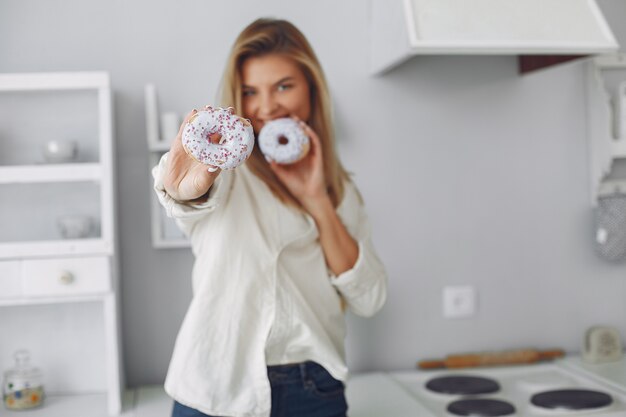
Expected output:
(401, 29)
(65, 276)
(165, 232)
(58, 267)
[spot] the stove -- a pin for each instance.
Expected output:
(546, 389)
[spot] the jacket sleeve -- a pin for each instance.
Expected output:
(364, 287)
(187, 214)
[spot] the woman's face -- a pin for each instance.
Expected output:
(274, 86)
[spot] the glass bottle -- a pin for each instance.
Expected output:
(23, 385)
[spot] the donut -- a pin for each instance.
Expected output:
(283, 141)
(234, 147)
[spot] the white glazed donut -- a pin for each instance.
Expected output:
(283, 141)
(234, 147)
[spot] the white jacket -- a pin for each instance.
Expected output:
(262, 293)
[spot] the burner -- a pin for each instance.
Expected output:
(481, 407)
(571, 399)
(463, 385)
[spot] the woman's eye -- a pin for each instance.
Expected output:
(284, 87)
(247, 93)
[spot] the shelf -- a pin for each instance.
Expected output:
(50, 173)
(11, 302)
(53, 81)
(144, 401)
(67, 247)
(76, 405)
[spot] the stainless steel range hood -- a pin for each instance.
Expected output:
(405, 28)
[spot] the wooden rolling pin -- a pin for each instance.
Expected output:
(512, 357)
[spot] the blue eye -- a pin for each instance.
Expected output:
(284, 87)
(247, 93)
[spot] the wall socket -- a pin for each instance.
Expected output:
(459, 301)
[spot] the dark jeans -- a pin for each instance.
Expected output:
(299, 390)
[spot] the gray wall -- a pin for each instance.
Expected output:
(489, 188)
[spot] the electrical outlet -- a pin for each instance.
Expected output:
(459, 301)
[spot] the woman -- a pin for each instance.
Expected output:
(280, 250)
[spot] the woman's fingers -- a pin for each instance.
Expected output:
(184, 123)
(315, 140)
(307, 129)
(189, 116)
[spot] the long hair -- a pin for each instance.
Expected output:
(267, 36)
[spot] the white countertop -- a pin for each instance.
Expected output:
(373, 394)
(368, 395)
(613, 373)
(378, 395)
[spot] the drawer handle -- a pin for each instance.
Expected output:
(66, 278)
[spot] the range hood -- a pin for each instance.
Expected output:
(405, 28)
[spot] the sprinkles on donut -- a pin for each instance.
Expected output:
(234, 147)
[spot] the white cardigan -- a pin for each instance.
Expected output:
(262, 293)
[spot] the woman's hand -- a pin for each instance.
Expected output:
(305, 179)
(186, 179)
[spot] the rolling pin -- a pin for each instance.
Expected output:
(512, 357)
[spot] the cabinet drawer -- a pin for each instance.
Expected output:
(65, 276)
(10, 279)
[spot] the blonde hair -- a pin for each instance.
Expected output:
(268, 36)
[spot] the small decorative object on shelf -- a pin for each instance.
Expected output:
(60, 151)
(23, 385)
(75, 226)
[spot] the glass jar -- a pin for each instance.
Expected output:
(23, 385)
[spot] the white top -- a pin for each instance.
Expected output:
(262, 293)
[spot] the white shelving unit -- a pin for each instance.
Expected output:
(606, 127)
(59, 297)
(165, 233)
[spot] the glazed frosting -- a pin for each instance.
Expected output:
(283, 141)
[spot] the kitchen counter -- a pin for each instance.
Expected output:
(368, 395)
(373, 394)
(378, 395)
(613, 373)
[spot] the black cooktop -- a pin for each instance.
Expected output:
(572, 399)
(463, 385)
(481, 407)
